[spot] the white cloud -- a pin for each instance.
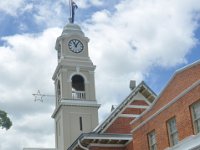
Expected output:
(13, 7)
(154, 31)
(88, 3)
(10, 6)
(30, 131)
(50, 13)
(27, 63)
(138, 36)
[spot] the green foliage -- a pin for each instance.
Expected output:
(5, 121)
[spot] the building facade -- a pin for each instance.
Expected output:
(171, 121)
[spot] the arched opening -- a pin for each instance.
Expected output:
(58, 90)
(78, 87)
(78, 83)
(59, 52)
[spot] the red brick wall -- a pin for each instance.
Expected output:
(129, 146)
(179, 83)
(120, 125)
(139, 102)
(136, 111)
(180, 110)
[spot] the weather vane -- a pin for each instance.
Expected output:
(39, 97)
(72, 8)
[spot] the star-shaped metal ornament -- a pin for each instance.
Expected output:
(38, 96)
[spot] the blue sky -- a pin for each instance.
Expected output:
(129, 40)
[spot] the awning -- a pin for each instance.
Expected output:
(86, 140)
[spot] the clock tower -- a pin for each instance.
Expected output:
(76, 108)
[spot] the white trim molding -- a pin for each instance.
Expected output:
(137, 106)
(105, 145)
(129, 115)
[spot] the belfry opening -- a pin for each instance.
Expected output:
(78, 87)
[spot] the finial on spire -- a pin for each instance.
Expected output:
(73, 7)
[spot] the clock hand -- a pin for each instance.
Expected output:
(76, 44)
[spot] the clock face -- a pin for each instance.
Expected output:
(75, 46)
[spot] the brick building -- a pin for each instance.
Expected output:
(144, 121)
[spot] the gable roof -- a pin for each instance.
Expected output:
(143, 89)
(177, 72)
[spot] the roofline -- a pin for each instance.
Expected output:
(187, 66)
(115, 112)
(175, 73)
(149, 89)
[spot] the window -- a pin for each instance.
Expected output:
(58, 133)
(195, 110)
(58, 127)
(172, 131)
(152, 140)
(58, 90)
(81, 123)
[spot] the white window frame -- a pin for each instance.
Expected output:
(195, 116)
(172, 131)
(152, 140)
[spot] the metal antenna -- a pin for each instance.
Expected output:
(39, 97)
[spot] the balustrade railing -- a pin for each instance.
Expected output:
(78, 94)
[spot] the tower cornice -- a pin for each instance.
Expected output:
(76, 103)
(81, 67)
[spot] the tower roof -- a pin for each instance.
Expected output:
(71, 28)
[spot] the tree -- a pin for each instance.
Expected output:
(5, 121)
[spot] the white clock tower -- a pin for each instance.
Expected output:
(76, 109)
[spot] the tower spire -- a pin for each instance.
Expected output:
(72, 8)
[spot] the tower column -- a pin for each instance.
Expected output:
(76, 109)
